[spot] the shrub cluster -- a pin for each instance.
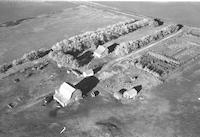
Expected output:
(157, 22)
(4, 67)
(63, 60)
(33, 55)
(130, 46)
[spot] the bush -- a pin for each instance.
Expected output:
(157, 22)
(63, 60)
(18, 61)
(33, 55)
(42, 52)
(30, 56)
(5, 67)
(122, 49)
(68, 61)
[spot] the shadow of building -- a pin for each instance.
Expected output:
(112, 47)
(138, 88)
(87, 84)
(85, 58)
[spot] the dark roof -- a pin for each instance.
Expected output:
(138, 88)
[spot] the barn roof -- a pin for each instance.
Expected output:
(63, 94)
(99, 51)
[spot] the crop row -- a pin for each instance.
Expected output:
(156, 66)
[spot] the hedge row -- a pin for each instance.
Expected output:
(93, 39)
(33, 55)
(75, 45)
(130, 46)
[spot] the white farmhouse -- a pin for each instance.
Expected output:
(64, 94)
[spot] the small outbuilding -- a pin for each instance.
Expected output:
(119, 94)
(64, 94)
(132, 93)
(88, 73)
(99, 51)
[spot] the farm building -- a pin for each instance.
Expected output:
(119, 94)
(88, 73)
(132, 93)
(99, 51)
(64, 94)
